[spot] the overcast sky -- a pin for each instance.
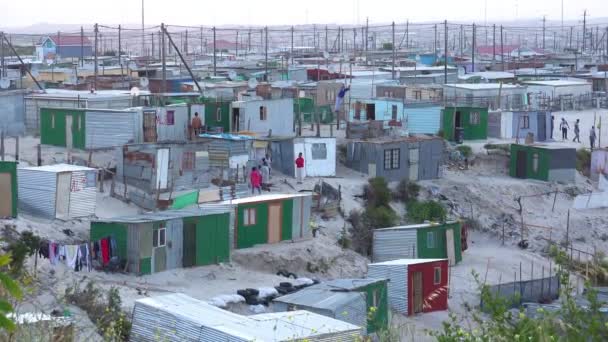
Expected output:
(270, 12)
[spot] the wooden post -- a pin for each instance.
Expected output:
(542, 282)
(554, 199)
(39, 160)
(568, 228)
(103, 175)
(17, 148)
(2, 145)
(89, 162)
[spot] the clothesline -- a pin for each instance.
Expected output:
(99, 254)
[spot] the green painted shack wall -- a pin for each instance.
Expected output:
(379, 320)
(439, 251)
(544, 160)
(145, 266)
(11, 167)
(185, 200)
(101, 230)
(211, 107)
(212, 239)
(471, 132)
(249, 236)
(287, 223)
(55, 135)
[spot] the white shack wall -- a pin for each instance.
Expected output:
(178, 131)
(317, 167)
(279, 117)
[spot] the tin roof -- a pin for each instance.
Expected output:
(59, 168)
(281, 326)
(483, 86)
(408, 262)
(264, 198)
(206, 209)
(417, 226)
(389, 139)
(319, 298)
(558, 83)
(70, 40)
(226, 136)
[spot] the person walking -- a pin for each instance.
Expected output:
(196, 124)
(300, 168)
(265, 170)
(563, 126)
(269, 162)
(592, 137)
(577, 131)
(552, 125)
(256, 180)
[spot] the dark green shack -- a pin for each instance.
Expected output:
(472, 120)
(217, 114)
(156, 242)
(543, 162)
(8, 189)
(63, 127)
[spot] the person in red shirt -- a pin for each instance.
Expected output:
(256, 180)
(300, 168)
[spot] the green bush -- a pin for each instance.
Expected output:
(364, 223)
(377, 193)
(407, 191)
(466, 150)
(379, 217)
(418, 212)
(583, 161)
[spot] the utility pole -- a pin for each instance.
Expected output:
(119, 54)
(366, 34)
(183, 61)
(96, 67)
(571, 34)
(266, 54)
(473, 50)
(143, 30)
(461, 45)
(326, 39)
(163, 57)
(2, 66)
(152, 42)
(544, 30)
(160, 44)
(435, 40)
(201, 41)
(214, 54)
(407, 34)
(394, 53)
(237, 43)
(81, 46)
(291, 54)
(445, 54)
(502, 53)
(493, 43)
(186, 42)
(584, 29)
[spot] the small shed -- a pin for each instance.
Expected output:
(414, 285)
(319, 156)
(419, 241)
(543, 162)
(155, 242)
(82, 128)
(414, 158)
(271, 218)
(263, 117)
(379, 109)
(61, 191)
(510, 125)
(599, 163)
(8, 189)
(177, 317)
(362, 302)
(472, 120)
(422, 118)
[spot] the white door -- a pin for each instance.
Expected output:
(449, 240)
(62, 195)
(414, 157)
(68, 131)
(371, 170)
(162, 168)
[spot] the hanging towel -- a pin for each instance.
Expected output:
(52, 252)
(105, 251)
(61, 252)
(113, 247)
(71, 255)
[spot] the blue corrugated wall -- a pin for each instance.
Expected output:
(424, 120)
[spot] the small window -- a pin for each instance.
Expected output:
(375, 298)
(525, 121)
(218, 115)
(159, 237)
(188, 161)
(418, 94)
(263, 113)
(535, 162)
(53, 121)
(249, 216)
(474, 118)
(170, 117)
(391, 159)
(319, 151)
(394, 112)
(437, 277)
(430, 240)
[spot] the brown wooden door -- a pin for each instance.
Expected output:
(150, 126)
(418, 300)
(274, 222)
(6, 195)
(521, 164)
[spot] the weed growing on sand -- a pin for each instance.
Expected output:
(406, 191)
(419, 212)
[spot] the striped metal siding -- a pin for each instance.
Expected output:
(210, 209)
(178, 131)
(175, 243)
(37, 192)
(109, 129)
(296, 223)
(151, 324)
(345, 336)
(306, 212)
(354, 312)
(394, 244)
(219, 153)
(83, 196)
(133, 257)
(397, 284)
(423, 120)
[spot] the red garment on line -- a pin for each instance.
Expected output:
(105, 251)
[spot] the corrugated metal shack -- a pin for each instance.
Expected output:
(422, 118)
(473, 121)
(319, 156)
(509, 125)
(8, 189)
(59, 191)
(349, 300)
(423, 241)
(12, 120)
(414, 158)
(148, 169)
(543, 162)
(263, 117)
(414, 285)
(159, 241)
(57, 98)
(228, 151)
(177, 317)
(271, 218)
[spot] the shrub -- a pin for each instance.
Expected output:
(379, 217)
(407, 191)
(466, 150)
(418, 212)
(364, 223)
(583, 161)
(377, 193)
